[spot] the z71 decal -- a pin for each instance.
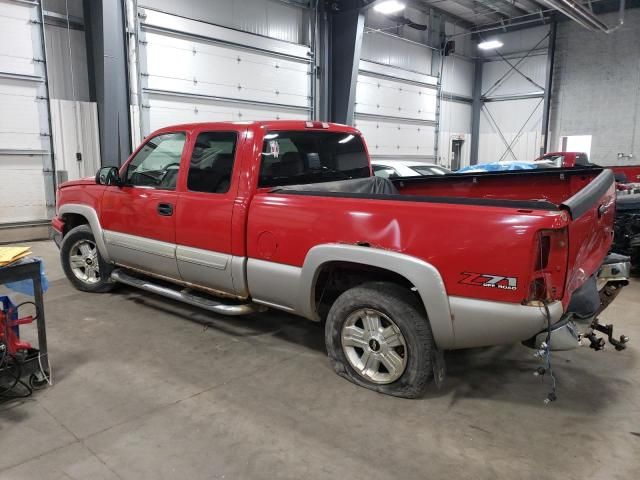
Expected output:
(488, 280)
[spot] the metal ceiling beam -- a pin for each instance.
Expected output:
(458, 20)
(479, 8)
(530, 6)
(504, 7)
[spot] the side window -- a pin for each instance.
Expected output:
(157, 163)
(212, 162)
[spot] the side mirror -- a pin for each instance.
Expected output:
(108, 176)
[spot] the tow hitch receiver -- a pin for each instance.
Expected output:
(598, 343)
(612, 277)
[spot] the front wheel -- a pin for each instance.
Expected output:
(378, 337)
(82, 263)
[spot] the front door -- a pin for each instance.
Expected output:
(139, 218)
(205, 207)
(456, 154)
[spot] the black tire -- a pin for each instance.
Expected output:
(403, 308)
(104, 282)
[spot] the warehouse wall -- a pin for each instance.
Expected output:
(419, 129)
(74, 117)
(596, 88)
(510, 125)
(457, 92)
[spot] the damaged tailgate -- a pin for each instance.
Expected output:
(590, 235)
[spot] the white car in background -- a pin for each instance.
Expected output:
(406, 168)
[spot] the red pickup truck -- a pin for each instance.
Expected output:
(238, 217)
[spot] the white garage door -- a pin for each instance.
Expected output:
(192, 71)
(396, 111)
(24, 131)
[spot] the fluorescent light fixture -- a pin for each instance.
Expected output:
(346, 139)
(490, 44)
(389, 6)
(270, 136)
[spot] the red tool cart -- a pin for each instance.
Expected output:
(19, 360)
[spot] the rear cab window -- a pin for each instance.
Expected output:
(299, 157)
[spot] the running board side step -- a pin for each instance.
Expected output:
(119, 275)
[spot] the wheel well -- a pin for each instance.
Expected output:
(72, 220)
(336, 278)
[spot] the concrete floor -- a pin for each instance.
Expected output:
(146, 388)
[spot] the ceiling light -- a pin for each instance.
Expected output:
(490, 44)
(389, 6)
(346, 139)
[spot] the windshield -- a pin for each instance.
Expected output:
(296, 157)
(430, 170)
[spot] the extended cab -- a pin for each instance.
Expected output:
(237, 217)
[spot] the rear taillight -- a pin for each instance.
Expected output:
(549, 265)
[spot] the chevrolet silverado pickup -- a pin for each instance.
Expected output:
(240, 217)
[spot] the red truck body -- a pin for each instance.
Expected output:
(571, 159)
(482, 235)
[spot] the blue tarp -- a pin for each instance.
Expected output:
(26, 286)
(499, 167)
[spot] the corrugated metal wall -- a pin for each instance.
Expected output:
(269, 18)
(379, 47)
(65, 59)
(73, 115)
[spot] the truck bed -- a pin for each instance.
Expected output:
(492, 222)
(551, 185)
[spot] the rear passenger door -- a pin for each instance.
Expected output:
(204, 213)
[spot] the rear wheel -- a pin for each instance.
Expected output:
(82, 263)
(378, 337)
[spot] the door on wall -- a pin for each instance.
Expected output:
(395, 110)
(192, 71)
(24, 124)
(456, 153)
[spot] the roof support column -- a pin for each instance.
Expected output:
(347, 28)
(476, 108)
(546, 107)
(107, 57)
